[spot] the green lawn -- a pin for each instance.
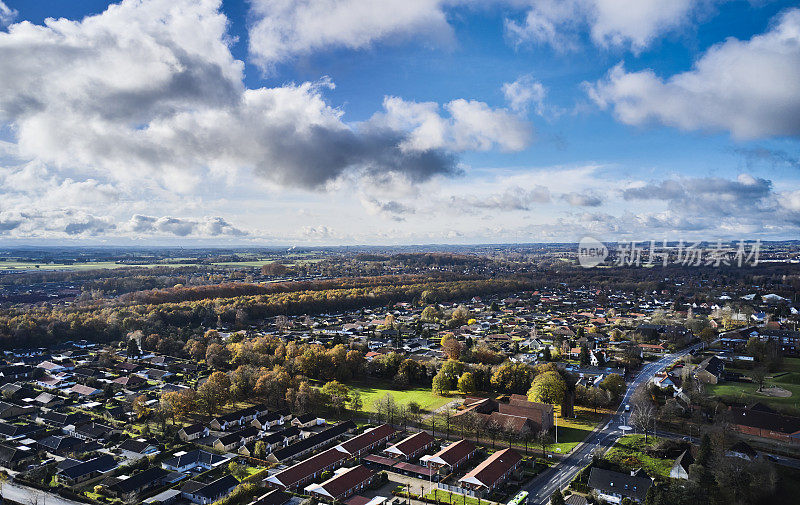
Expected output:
(423, 396)
(629, 453)
(787, 378)
(446, 497)
(573, 431)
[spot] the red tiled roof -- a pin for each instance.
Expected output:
(308, 467)
(455, 452)
(413, 443)
(494, 467)
(340, 484)
(367, 438)
(419, 470)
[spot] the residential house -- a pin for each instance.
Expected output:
(613, 487)
(193, 432)
(491, 472)
(365, 442)
(203, 494)
(307, 421)
(411, 446)
(187, 461)
(308, 469)
(680, 469)
(345, 483)
(451, 456)
(72, 472)
(710, 370)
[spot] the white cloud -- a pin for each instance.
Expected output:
(750, 88)
(181, 227)
(283, 29)
(582, 199)
(611, 23)
(150, 88)
(7, 15)
(471, 125)
(523, 93)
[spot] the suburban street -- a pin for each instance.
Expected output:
(27, 495)
(557, 477)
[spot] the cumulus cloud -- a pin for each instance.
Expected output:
(611, 23)
(470, 126)
(180, 227)
(582, 199)
(750, 88)
(514, 198)
(392, 208)
(524, 93)
(150, 88)
(745, 188)
(90, 225)
(283, 29)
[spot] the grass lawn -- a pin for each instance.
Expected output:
(446, 497)
(424, 396)
(629, 453)
(787, 378)
(573, 431)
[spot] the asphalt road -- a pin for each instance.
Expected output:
(543, 485)
(27, 495)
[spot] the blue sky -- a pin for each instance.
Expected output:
(426, 121)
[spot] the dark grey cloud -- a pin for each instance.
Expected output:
(745, 189)
(323, 154)
(6, 225)
(89, 226)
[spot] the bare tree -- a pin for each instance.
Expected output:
(758, 375)
(525, 435)
(494, 428)
(643, 416)
(543, 439)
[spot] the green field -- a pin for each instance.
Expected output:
(629, 453)
(572, 432)
(98, 265)
(426, 399)
(787, 378)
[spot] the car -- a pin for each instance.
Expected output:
(627, 408)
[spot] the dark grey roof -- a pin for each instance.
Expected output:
(624, 484)
(100, 464)
(211, 490)
(140, 480)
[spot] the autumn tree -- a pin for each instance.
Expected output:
(466, 383)
(215, 392)
(548, 387)
(356, 403)
(337, 394)
(512, 377)
(178, 404)
(451, 347)
(140, 407)
(217, 355)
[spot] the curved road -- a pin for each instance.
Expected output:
(543, 485)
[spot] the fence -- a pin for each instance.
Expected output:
(456, 489)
